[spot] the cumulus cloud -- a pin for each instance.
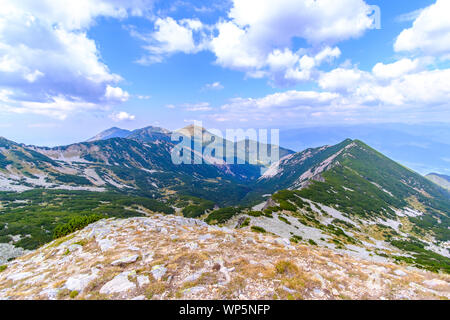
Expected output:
(257, 36)
(122, 116)
(47, 61)
(353, 95)
(430, 32)
(171, 37)
(116, 94)
(396, 69)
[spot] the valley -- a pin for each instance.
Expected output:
(348, 198)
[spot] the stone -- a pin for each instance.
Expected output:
(192, 277)
(143, 281)
(125, 260)
(148, 257)
(191, 245)
(139, 298)
(105, 244)
(194, 290)
(19, 276)
(400, 273)
(119, 284)
(158, 272)
(435, 283)
(75, 247)
(205, 237)
(50, 293)
(288, 289)
(80, 282)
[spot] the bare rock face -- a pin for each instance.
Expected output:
(133, 259)
(119, 284)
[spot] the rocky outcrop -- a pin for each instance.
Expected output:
(169, 257)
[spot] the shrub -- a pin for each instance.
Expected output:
(3, 268)
(286, 267)
(258, 229)
(75, 224)
(255, 213)
(296, 239)
(222, 215)
(312, 242)
(284, 219)
(246, 223)
(285, 205)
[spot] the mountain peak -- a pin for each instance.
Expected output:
(110, 133)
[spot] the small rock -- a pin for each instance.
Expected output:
(19, 276)
(400, 273)
(80, 282)
(205, 237)
(194, 290)
(148, 257)
(158, 272)
(105, 244)
(118, 285)
(75, 247)
(319, 293)
(193, 277)
(125, 260)
(142, 281)
(191, 245)
(288, 289)
(50, 293)
(435, 283)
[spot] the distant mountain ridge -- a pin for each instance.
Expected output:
(347, 196)
(110, 133)
(440, 179)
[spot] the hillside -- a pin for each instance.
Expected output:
(175, 258)
(347, 197)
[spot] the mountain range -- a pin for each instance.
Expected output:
(346, 197)
(440, 179)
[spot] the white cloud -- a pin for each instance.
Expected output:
(201, 106)
(430, 32)
(257, 36)
(116, 94)
(213, 86)
(47, 57)
(402, 91)
(122, 116)
(58, 107)
(396, 69)
(341, 79)
(171, 37)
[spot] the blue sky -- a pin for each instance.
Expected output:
(69, 70)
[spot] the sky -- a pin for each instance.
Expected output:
(70, 69)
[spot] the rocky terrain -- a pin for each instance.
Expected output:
(171, 257)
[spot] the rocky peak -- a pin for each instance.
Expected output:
(170, 257)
